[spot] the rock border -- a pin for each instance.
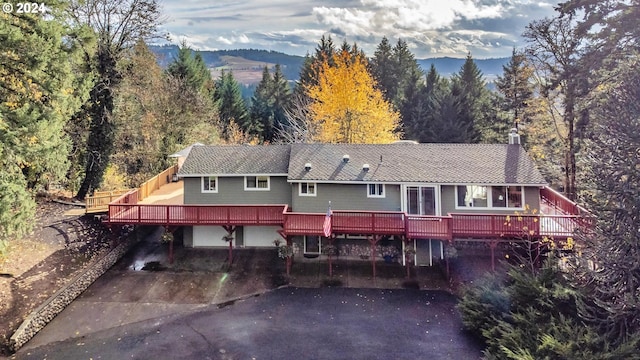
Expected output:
(54, 305)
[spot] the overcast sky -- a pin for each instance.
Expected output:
(432, 28)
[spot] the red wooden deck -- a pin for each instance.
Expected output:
(126, 210)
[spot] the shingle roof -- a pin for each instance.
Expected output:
(428, 163)
(184, 152)
(236, 159)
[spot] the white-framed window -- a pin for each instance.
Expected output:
(257, 183)
(506, 196)
(307, 189)
(482, 196)
(209, 184)
(375, 190)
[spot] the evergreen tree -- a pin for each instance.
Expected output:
(38, 94)
(415, 109)
(192, 70)
(231, 106)
(261, 115)
(471, 98)
(407, 72)
(514, 100)
(556, 51)
(516, 87)
(383, 69)
(534, 315)
(613, 244)
(281, 95)
(610, 25)
(325, 51)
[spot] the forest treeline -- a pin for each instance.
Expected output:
(84, 106)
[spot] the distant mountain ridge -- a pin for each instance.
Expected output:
(291, 64)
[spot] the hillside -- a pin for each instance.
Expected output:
(247, 64)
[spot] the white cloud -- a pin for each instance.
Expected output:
(430, 27)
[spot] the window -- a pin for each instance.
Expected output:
(210, 184)
(375, 190)
(506, 196)
(501, 196)
(257, 183)
(472, 196)
(307, 189)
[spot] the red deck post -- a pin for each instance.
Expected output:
(493, 245)
(329, 253)
(373, 240)
(288, 240)
(230, 230)
(171, 251)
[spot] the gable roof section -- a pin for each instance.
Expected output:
(428, 163)
(184, 152)
(401, 163)
(236, 160)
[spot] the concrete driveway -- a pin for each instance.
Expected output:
(288, 323)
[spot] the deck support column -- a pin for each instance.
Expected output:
(373, 240)
(407, 257)
(230, 230)
(290, 257)
(169, 229)
(171, 252)
(331, 248)
(492, 246)
(446, 262)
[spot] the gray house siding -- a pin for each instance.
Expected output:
(345, 197)
(448, 202)
(231, 191)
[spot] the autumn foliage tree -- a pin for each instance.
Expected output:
(346, 105)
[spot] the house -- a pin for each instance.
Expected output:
(383, 197)
(377, 200)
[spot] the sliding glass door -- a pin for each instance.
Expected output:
(421, 200)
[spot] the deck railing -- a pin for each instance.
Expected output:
(368, 222)
(487, 226)
(100, 200)
(304, 223)
(127, 210)
(234, 215)
(153, 184)
(432, 227)
(495, 226)
(560, 203)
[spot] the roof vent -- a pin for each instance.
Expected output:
(345, 158)
(307, 166)
(365, 167)
(514, 138)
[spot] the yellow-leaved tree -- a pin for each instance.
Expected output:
(347, 107)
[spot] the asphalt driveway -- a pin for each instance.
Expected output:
(289, 323)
